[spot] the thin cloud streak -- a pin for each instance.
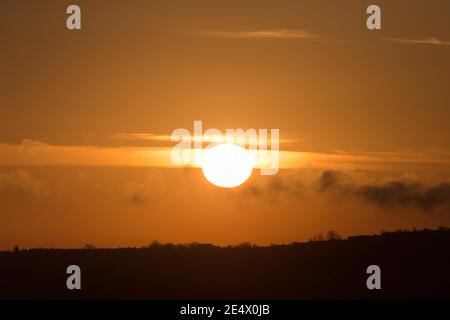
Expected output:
(429, 41)
(259, 34)
(167, 138)
(141, 136)
(36, 153)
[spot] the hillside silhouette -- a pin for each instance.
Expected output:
(413, 264)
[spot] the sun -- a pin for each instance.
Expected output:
(227, 165)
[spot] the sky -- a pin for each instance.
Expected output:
(86, 116)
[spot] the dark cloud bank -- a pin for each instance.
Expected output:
(389, 194)
(394, 193)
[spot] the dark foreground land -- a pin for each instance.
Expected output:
(413, 265)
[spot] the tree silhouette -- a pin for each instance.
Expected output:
(317, 237)
(333, 235)
(154, 244)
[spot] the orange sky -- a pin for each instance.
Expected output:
(362, 108)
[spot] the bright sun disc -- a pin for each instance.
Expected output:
(227, 165)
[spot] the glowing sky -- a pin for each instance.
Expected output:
(85, 118)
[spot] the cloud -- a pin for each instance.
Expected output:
(36, 153)
(29, 143)
(259, 34)
(234, 136)
(141, 136)
(399, 193)
(147, 189)
(19, 182)
(137, 193)
(429, 41)
(328, 179)
(389, 194)
(276, 186)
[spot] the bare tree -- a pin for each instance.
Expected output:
(317, 237)
(154, 244)
(333, 235)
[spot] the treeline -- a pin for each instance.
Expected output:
(329, 236)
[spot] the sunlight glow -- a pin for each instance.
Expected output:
(227, 165)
